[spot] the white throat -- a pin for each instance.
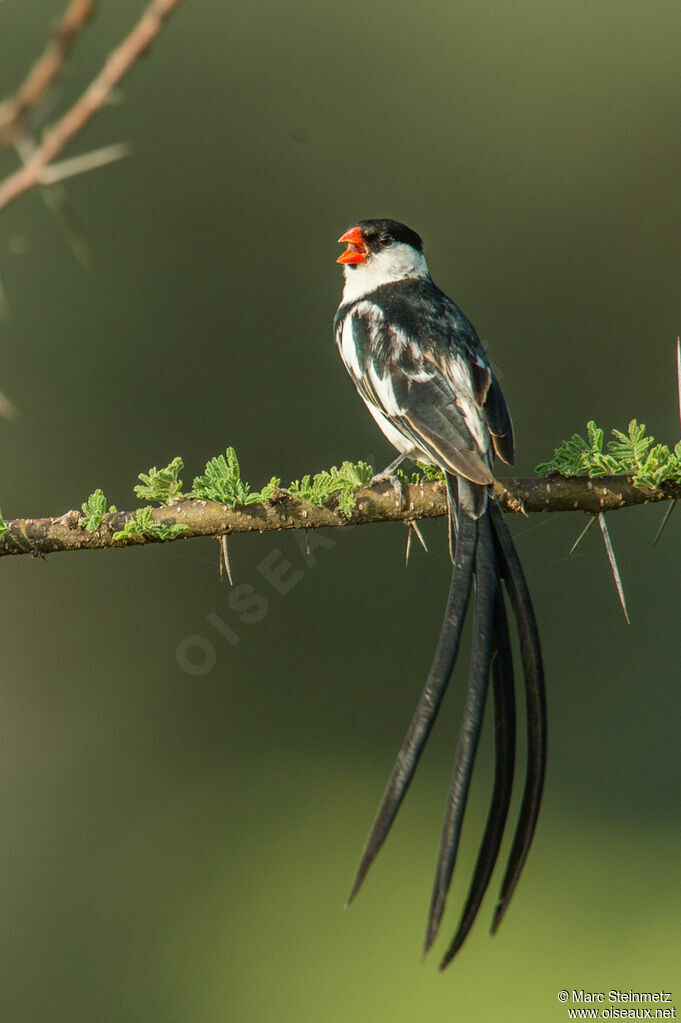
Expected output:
(396, 263)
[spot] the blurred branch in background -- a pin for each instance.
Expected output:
(39, 168)
(190, 518)
(15, 112)
(7, 409)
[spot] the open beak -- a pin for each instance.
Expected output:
(357, 250)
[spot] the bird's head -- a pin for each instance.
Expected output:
(378, 252)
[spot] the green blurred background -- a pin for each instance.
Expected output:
(179, 846)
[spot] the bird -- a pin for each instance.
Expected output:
(422, 372)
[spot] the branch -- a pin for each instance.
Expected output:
(94, 97)
(39, 537)
(15, 112)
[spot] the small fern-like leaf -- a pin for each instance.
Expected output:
(93, 511)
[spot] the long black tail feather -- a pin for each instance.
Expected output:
(484, 550)
(486, 575)
(535, 708)
(431, 697)
(504, 762)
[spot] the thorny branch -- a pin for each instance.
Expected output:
(34, 171)
(373, 504)
(15, 112)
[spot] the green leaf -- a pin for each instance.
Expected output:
(270, 489)
(222, 482)
(142, 524)
(344, 481)
(93, 511)
(629, 454)
(409, 479)
(431, 472)
(341, 482)
(162, 485)
(3, 525)
(544, 468)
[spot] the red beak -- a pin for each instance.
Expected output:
(356, 251)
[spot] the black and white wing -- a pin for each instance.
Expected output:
(437, 393)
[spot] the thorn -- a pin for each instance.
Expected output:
(411, 526)
(80, 164)
(224, 560)
(590, 523)
(613, 563)
(57, 201)
(307, 542)
(665, 520)
(419, 534)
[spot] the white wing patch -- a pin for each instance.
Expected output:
(401, 342)
(474, 422)
(459, 376)
(385, 393)
(348, 348)
(420, 375)
(456, 370)
(347, 341)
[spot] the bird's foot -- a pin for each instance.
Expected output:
(389, 474)
(395, 483)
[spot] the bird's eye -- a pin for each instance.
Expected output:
(386, 239)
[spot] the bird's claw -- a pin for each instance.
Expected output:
(395, 483)
(389, 474)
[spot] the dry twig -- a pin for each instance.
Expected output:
(95, 96)
(14, 112)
